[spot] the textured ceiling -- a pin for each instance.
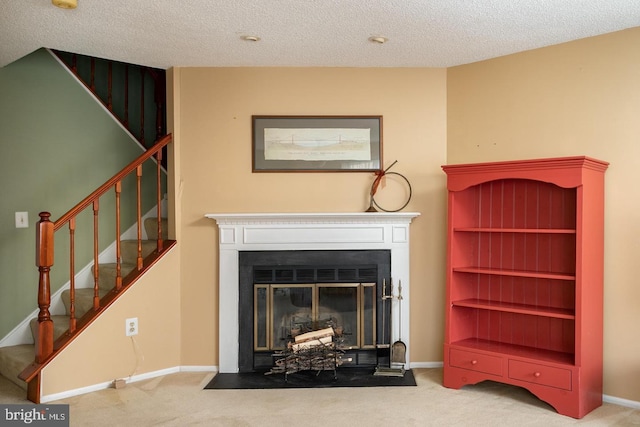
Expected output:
(421, 33)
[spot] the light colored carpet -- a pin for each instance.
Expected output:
(179, 400)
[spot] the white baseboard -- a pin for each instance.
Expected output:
(195, 368)
(621, 402)
(133, 379)
(77, 392)
(429, 365)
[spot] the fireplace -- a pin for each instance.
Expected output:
(286, 293)
(307, 259)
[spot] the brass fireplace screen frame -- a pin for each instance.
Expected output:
(271, 334)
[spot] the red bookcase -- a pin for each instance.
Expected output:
(524, 278)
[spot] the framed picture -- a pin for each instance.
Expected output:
(317, 143)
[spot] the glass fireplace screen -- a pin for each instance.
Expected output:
(283, 311)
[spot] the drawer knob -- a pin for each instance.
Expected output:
(474, 362)
(536, 374)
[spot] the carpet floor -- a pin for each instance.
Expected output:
(180, 400)
(345, 377)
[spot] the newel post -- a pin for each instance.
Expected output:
(44, 262)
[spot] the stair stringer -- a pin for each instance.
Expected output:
(21, 334)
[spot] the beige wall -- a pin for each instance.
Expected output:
(578, 98)
(216, 105)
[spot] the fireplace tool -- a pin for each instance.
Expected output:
(382, 349)
(388, 370)
(399, 348)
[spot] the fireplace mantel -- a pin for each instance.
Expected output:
(305, 231)
(314, 218)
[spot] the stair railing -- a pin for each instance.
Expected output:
(106, 94)
(45, 235)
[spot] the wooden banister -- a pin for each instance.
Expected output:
(73, 212)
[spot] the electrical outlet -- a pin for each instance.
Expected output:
(131, 326)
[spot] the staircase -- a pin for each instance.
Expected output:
(15, 359)
(112, 83)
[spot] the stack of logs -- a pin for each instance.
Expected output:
(315, 350)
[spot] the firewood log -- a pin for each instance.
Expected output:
(320, 333)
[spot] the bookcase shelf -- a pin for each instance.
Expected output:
(515, 273)
(524, 278)
(534, 310)
(515, 230)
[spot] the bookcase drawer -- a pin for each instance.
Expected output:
(540, 374)
(475, 361)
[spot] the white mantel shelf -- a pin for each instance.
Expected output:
(305, 231)
(313, 217)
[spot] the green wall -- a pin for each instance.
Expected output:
(57, 145)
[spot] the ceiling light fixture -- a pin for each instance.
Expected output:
(378, 39)
(250, 38)
(65, 4)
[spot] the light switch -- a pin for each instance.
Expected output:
(22, 219)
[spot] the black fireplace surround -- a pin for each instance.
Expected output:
(307, 266)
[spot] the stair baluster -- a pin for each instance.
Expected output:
(139, 216)
(110, 87)
(118, 188)
(96, 270)
(159, 199)
(92, 84)
(142, 75)
(125, 120)
(72, 276)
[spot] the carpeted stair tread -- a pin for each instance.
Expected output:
(14, 359)
(107, 273)
(109, 268)
(60, 325)
(83, 300)
(151, 227)
(129, 249)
